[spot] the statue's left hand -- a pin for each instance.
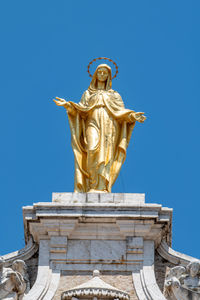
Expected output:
(139, 116)
(60, 101)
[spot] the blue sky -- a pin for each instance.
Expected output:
(45, 49)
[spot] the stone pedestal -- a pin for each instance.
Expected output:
(114, 233)
(120, 235)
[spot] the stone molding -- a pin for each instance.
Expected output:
(173, 256)
(146, 286)
(47, 279)
(130, 215)
(24, 254)
(144, 281)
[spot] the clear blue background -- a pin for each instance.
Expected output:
(45, 49)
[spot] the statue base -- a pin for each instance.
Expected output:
(120, 235)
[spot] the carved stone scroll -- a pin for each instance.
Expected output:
(183, 283)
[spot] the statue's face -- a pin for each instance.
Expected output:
(194, 269)
(102, 74)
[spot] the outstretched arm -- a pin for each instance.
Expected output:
(62, 102)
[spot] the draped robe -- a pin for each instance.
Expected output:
(100, 133)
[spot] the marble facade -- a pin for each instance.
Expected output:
(127, 240)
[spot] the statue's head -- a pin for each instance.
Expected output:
(19, 266)
(103, 73)
(193, 268)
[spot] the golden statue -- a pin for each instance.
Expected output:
(101, 129)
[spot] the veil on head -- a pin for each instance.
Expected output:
(93, 83)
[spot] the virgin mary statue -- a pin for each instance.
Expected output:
(101, 129)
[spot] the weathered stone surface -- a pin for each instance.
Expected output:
(183, 282)
(161, 267)
(32, 268)
(69, 198)
(98, 216)
(14, 281)
(121, 281)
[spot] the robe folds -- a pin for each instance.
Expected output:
(101, 129)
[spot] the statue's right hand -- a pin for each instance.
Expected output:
(60, 101)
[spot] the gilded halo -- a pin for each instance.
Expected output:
(104, 58)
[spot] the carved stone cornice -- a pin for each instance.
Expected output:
(173, 256)
(126, 214)
(24, 254)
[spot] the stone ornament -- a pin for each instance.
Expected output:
(183, 283)
(14, 282)
(95, 289)
(101, 129)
